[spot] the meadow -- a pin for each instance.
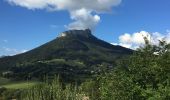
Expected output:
(19, 85)
(9, 84)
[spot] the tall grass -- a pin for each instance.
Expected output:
(54, 91)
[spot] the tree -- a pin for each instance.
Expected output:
(143, 76)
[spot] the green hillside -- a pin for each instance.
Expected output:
(73, 55)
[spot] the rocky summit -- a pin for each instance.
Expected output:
(83, 33)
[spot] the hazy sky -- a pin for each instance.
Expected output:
(26, 24)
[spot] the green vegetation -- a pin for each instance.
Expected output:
(144, 76)
(8, 94)
(4, 81)
(89, 69)
(75, 58)
(13, 90)
(53, 91)
(20, 85)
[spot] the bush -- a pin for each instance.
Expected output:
(144, 76)
(2, 89)
(11, 94)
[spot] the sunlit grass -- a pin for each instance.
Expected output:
(20, 85)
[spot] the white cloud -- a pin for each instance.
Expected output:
(167, 38)
(83, 19)
(23, 51)
(127, 45)
(114, 43)
(126, 38)
(135, 40)
(85, 13)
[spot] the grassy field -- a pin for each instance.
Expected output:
(16, 85)
(19, 85)
(4, 81)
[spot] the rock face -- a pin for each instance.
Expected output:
(82, 33)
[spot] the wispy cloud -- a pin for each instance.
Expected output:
(5, 41)
(54, 26)
(11, 51)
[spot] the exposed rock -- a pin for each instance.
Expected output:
(85, 33)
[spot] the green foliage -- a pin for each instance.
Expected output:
(91, 89)
(53, 91)
(20, 85)
(144, 76)
(9, 94)
(4, 81)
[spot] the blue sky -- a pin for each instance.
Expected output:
(23, 28)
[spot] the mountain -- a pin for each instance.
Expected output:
(73, 55)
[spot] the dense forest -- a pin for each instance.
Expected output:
(145, 75)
